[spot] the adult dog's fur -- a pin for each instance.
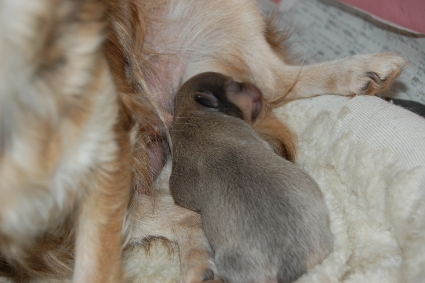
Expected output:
(64, 147)
(265, 218)
(152, 47)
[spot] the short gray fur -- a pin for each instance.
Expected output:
(264, 217)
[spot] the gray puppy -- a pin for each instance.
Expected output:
(265, 218)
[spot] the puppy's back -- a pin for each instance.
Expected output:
(264, 217)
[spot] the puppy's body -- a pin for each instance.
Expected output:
(265, 219)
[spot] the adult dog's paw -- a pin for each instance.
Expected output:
(196, 267)
(374, 73)
(196, 256)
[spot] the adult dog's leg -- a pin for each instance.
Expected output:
(359, 74)
(279, 82)
(247, 54)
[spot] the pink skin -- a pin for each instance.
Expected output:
(157, 150)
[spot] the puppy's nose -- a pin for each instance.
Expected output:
(253, 92)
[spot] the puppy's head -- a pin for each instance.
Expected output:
(216, 92)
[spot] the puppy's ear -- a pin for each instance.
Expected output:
(207, 99)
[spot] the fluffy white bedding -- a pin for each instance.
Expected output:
(368, 156)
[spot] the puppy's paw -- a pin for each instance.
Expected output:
(375, 72)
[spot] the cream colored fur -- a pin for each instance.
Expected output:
(57, 164)
(227, 37)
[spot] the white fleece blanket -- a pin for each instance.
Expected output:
(368, 156)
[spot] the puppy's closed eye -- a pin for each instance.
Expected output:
(207, 99)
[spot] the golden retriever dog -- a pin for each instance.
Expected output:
(82, 118)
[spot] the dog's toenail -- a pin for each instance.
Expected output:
(374, 76)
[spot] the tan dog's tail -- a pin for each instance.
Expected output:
(49, 81)
(39, 49)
